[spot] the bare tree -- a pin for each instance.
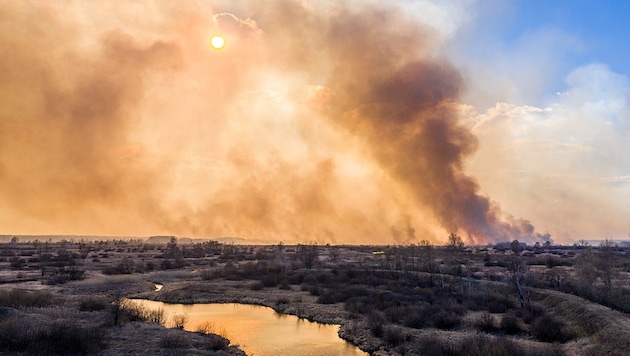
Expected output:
(455, 242)
(428, 257)
(516, 271)
(556, 276)
(585, 268)
(308, 254)
(607, 264)
(581, 244)
(44, 255)
(84, 250)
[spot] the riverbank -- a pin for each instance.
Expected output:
(190, 289)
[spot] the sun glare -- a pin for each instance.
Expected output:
(217, 42)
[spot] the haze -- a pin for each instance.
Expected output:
(349, 122)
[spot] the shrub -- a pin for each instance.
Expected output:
(174, 341)
(315, 291)
(482, 345)
(396, 314)
(432, 345)
(92, 304)
(284, 284)
(130, 311)
(509, 324)
(208, 275)
(52, 339)
(415, 321)
(257, 286)
(485, 322)
(65, 275)
(497, 303)
(149, 266)
(179, 321)
(20, 298)
(358, 305)
(154, 316)
(216, 342)
(549, 329)
(328, 297)
(270, 280)
(16, 262)
(426, 294)
(393, 336)
(446, 320)
(66, 339)
(532, 312)
(125, 266)
(207, 327)
(375, 323)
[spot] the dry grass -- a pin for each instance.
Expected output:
(20, 298)
(610, 330)
(346, 284)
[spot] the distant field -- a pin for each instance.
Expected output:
(409, 299)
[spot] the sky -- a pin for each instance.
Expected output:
(361, 122)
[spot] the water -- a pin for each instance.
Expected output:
(260, 331)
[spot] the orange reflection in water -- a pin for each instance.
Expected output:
(260, 330)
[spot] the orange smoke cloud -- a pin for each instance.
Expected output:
(333, 124)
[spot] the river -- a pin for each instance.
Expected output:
(258, 330)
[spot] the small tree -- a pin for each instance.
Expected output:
(557, 277)
(516, 271)
(516, 248)
(173, 255)
(44, 255)
(84, 250)
(308, 254)
(427, 256)
(585, 269)
(607, 264)
(172, 250)
(455, 242)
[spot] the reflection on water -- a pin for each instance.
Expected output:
(260, 330)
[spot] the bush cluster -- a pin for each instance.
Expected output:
(20, 298)
(127, 310)
(479, 345)
(49, 339)
(549, 329)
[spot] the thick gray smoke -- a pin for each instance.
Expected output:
(393, 94)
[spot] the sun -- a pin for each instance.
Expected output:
(217, 42)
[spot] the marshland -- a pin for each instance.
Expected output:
(84, 297)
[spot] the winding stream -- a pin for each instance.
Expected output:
(258, 330)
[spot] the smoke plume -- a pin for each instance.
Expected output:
(329, 123)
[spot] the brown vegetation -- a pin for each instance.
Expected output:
(414, 299)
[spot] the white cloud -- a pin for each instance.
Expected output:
(445, 16)
(617, 180)
(564, 166)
